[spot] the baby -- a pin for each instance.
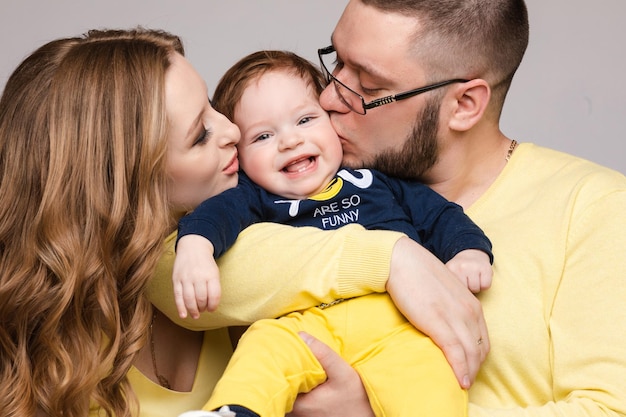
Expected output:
(291, 157)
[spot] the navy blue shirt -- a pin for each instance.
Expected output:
(362, 196)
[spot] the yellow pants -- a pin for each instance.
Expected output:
(403, 371)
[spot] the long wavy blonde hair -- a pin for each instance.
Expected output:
(83, 214)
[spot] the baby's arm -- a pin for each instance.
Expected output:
(445, 230)
(195, 276)
(442, 226)
(473, 268)
(204, 235)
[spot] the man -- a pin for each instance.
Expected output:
(416, 90)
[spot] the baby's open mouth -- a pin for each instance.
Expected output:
(299, 165)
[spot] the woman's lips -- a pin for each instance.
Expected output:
(233, 166)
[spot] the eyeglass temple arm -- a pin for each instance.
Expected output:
(401, 96)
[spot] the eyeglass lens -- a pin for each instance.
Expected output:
(349, 97)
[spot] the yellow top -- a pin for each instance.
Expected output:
(156, 401)
(556, 312)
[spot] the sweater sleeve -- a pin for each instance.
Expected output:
(274, 269)
(221, 218)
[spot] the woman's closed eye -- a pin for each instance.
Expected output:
(204, 137)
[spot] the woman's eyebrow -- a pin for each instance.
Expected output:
(194, 124)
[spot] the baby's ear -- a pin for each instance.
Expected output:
(472, 99)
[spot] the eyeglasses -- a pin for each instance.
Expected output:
(353, 100)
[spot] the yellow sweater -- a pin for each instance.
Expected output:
(557, 310)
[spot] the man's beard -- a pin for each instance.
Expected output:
(419, 152)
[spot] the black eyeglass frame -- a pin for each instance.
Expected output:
(379, 101)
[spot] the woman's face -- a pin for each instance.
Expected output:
(201, 154)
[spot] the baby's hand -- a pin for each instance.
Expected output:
(196, 277)
(472, 267)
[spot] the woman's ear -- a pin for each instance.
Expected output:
(471, 101)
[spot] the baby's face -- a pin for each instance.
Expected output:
(288, 145)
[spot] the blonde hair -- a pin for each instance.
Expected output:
(83, 214)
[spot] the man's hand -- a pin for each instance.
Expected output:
(342, 394)
(195, 276)
(439, 305)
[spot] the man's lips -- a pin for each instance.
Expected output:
(232, 167)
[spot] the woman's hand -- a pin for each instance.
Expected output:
(439, 305)
(342, 394)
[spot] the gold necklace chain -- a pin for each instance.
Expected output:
(511, 149)
(162, 380)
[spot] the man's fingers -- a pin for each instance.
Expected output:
(328, 358)
(468, 351)
(342, 394)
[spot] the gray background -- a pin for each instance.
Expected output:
(569, 94)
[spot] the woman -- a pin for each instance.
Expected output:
(83, 217)
(105, 141)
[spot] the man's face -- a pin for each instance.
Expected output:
(420, 149)
(375, 61)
